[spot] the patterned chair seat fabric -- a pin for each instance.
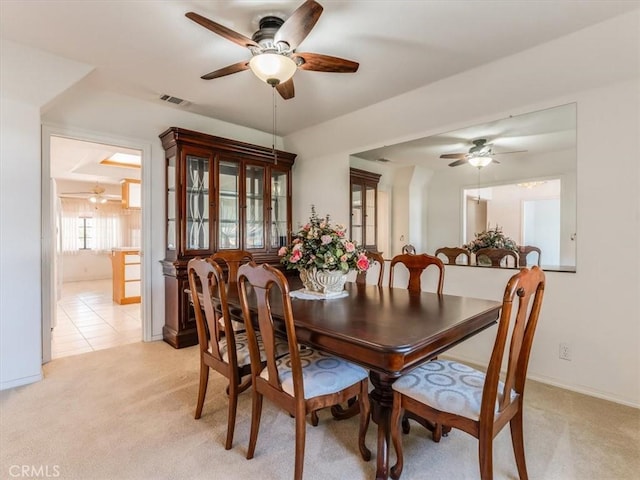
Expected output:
(447, 386)
(322, 374)
(242, 349)
(237, 326)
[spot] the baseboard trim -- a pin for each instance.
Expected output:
(18, 382)
(557, 383)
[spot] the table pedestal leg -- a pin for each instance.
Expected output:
(381, 403)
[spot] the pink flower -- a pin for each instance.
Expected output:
(349, 246)
(326, 239)
(297, 255)
(282, 252)
(344, 258)
(362, 263)
(340, 233)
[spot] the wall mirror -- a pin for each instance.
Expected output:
(531, 179)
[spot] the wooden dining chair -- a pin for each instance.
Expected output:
(452, 254)
(496, 255)
(227, 354)
(449, 393)
(416, 264)
(231, 261)
(524, 251)
(409, 249)
(361, 277)
(303, 381)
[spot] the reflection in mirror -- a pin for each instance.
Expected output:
(528, 187)
(529, 213)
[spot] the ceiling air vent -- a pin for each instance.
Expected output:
(174, 100)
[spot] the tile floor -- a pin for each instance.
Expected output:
(88, 320)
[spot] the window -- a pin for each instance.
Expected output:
(86, 232)
(83, 227)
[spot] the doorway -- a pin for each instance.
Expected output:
(91, 215)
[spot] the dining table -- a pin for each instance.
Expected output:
(389, 331)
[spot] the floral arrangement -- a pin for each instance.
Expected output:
(491, 238)
(323, 246)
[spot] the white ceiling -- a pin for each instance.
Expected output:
(147, 48)
(80, 161)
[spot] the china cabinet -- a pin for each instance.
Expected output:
(364, 208)
(221, 194)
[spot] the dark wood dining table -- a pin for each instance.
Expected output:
(387, 330)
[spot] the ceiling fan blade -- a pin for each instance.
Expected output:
(462, 161)
(221, 30)
(228, 70)
(286, 89)
(326, 63)
(503, 153)
(296, 28)
(454, 155)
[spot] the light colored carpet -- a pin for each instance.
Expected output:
(127, 413)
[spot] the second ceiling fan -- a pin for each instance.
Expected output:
(274, 58)
(480, 155)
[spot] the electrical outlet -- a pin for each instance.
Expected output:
(565, 352)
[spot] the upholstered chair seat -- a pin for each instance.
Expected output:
(447, 386)
(322, 374)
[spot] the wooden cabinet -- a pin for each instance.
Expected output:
(364, 208)
(131, 194)
(126, 275)
(221, 194)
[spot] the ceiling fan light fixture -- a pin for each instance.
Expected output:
(480, 162)
(273, 68)
(97, 199)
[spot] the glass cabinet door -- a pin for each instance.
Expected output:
(254, 231)
(229, 206)
(171, 203)
(356, 214)
(370, 216)
(279, 208)
(197, 202)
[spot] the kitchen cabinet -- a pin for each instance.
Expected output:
(125, 265)
(131, 194)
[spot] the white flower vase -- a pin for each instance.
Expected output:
(324, 282)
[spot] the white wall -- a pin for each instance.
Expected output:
(85, 266)
(29, 79)
(596, 310)
(20, 349)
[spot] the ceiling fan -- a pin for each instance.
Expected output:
(95, 195)
(480, 155)
(274, 58)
